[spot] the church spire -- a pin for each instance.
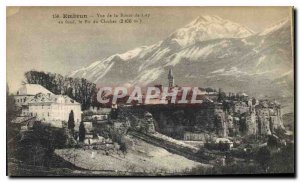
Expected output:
(171, 78)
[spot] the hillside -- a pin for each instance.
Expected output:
(143, 157)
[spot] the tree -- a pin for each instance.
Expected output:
(123, 146)
(209, 90)
(37, 146)
(11, 113)
(253, 101)
(71, 122)
(81, 132)
(263, 157)
(11, 109)
(221, 96)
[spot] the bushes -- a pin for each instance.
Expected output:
(120, 139)
(217, 146)
(263, 157)
(223, 170)
(81, 132)
(283, 161)
(71, 122)
(37, 146)
(276, 162)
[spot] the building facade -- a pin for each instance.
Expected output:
(27, 92)
(46, 106)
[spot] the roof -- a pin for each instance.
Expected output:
(98, 111)
(32, 89)
(244, 94)
(224, 140)
(51, 98)
(241, 104)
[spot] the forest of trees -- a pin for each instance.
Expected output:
(79, 89)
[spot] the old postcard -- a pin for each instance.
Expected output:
(150, 91)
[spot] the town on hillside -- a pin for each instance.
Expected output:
(224, 130)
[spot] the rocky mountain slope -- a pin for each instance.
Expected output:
(208, 52)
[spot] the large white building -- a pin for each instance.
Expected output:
(27, 92)
(39, 102)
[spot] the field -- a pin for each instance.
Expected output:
(141, 157)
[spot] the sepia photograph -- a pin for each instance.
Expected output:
(150, 91)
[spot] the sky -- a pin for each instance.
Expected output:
(35, 41)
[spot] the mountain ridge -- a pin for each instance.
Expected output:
(251, 58)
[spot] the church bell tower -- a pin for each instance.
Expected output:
(171, 78)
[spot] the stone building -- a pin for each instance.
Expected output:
(195, 136)
(46, 106)
(240, 107)
(27, 92)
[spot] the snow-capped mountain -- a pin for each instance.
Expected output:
(208, 28)
(208, 52)
(275, 27)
